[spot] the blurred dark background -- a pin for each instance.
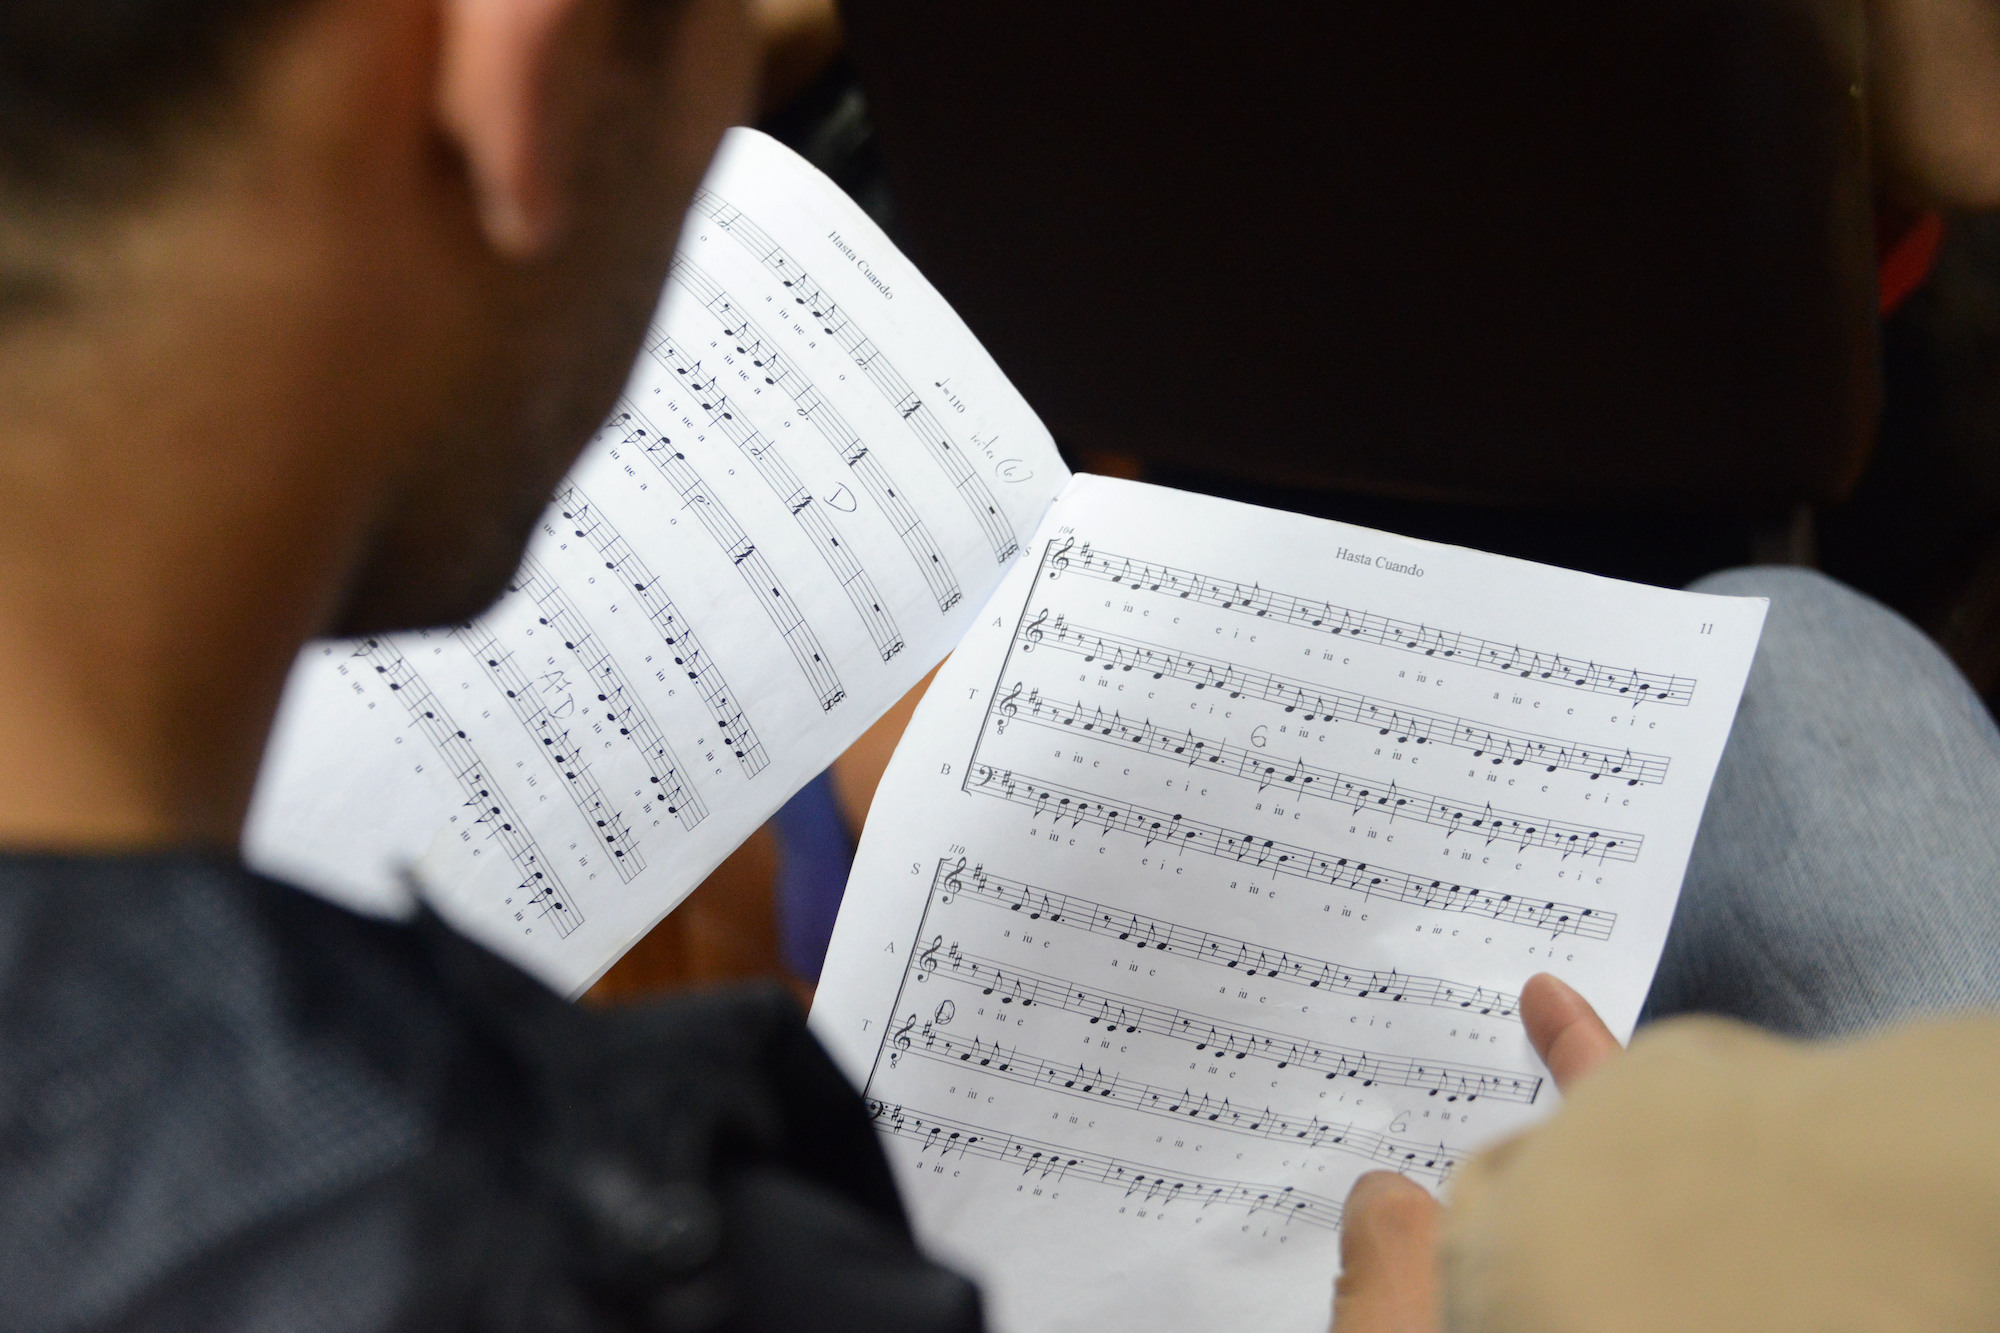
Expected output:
(1626, 289)
(1602, 286)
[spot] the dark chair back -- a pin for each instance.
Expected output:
(1559, 252)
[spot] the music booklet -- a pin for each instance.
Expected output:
(1205, 877)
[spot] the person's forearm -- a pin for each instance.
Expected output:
(1934, 68)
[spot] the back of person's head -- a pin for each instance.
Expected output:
(398, 252)
(90, 88)
(305, 307)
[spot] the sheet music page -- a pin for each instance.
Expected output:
(813, 480)
(1209, 870)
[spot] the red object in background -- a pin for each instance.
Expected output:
(1906, 247)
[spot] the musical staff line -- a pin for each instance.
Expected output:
(954, 879)
(1415, 726)
(623, 706)
(607, 825)
(945, 1136)
(756, 571)
(589, 523)
(1435, 1160)
(1281, 858)
(800, 502)
(493, 811)
(1403, 635)
(1014, 985)
(874, 364)
(1479, 821)
(780, 372)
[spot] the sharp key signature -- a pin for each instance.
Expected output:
(1402, 635)
(1526, 831)
(1374, 881)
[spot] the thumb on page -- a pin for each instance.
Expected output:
(1388, 1258)
(1567, 1033)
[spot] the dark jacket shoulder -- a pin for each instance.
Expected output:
(226, 1104)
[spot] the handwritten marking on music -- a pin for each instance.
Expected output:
(1209, 872)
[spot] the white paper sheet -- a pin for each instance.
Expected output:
(814, 479)
(1209, 870)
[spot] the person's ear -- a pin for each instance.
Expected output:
(509, 98)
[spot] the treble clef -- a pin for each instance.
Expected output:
(1059, 557)
(1007, 708)
(1031, 633)
(953, 882)
(900, 1038)
(927, 961)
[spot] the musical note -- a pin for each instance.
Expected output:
(603, 820)
(899, 1040)
(1046, 1161)
(807, 512)
(955, 879)
(1403, 635)
(951, 880)
(1449, 1081)
(781, 372)
(626, 711)
(1004, 709)
(806, 294)
(1279, 858)
(1454, 816)
(1091, 1083)
(540, 886)
(629, 426)
(1314, 703)
(586, 521)
(1057, 561)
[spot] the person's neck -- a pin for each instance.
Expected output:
(109, 741)
(174, 522)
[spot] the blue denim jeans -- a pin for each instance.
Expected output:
(1847, 872)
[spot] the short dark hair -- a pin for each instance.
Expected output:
(89, 89)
